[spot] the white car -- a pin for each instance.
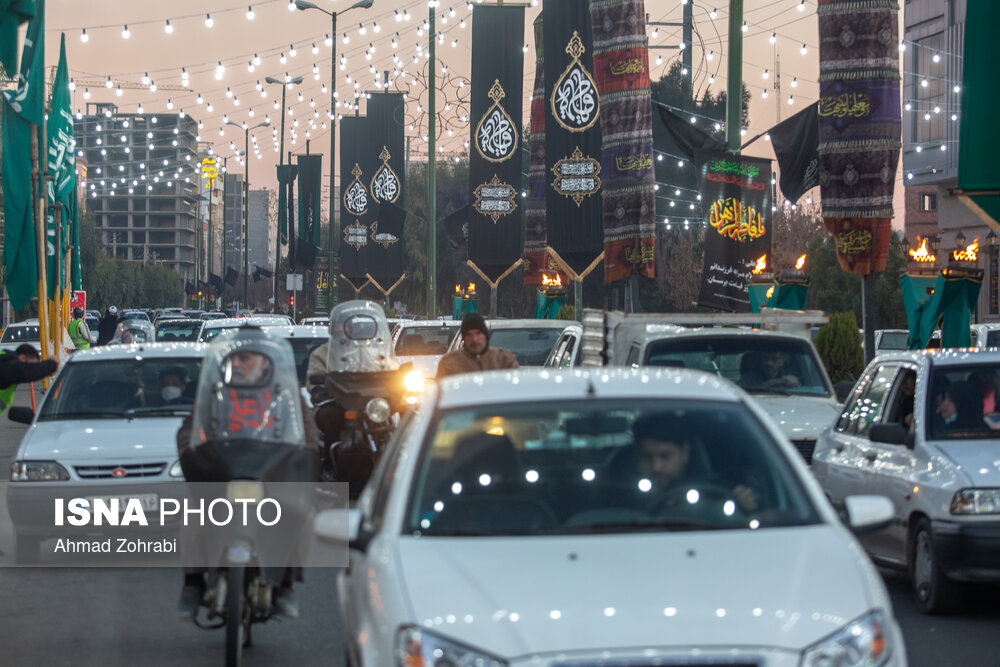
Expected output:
(985, 335)
(18, 333)
(103, 422)
(423, 343)
(303, 339)
(212, 328)
(530, 340)
(315, 321)
(943, 478)
(509, 523)
(800, 399)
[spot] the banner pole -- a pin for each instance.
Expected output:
(38, 208)
(734, 93)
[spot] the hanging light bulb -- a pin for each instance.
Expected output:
(804, 50)
(208, 21)
(199, 100)
(795, 82)
(118, 91)
(170, 104)
(361, 29)
(710, 56)
(328, 41)
(773, 38)
(108, 84)
(347, 40)
(139, 109)
(745, 27)
(376, 27)
(86, 93)
(229, 92)
(126, 33)
(315, 49)
(282, 59)
(84, 37)
(250, 66)
(714, 14)
(291, 51)
(250, 13)
(802, 6)
(936, 58)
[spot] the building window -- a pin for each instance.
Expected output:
(928, 201)
(928, 124)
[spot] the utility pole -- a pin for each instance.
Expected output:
(777, 82)
(734, 92)
(431, 165)
(687, 35)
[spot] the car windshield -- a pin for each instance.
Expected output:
(602, 466)
(530, 345)
(993, 338)
(894, 340)
(962, 403)
(20, 334)
(415, 341)
(301, 349)
(129, 388)
(759, 364)
(177, 330)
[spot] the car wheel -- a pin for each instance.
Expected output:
(934, 592)
(26, 549)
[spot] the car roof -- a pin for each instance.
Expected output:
(945, 357)
(24, 323)
(230, 322)
(526, 323)
(542, 384)
(431, 323)
(178, 320)
(147, 350)
(299, 331)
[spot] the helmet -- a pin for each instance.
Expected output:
(113, 310)
(78, 312)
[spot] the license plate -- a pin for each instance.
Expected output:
(147, 500)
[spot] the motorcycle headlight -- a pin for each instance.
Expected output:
(37, 471)
(864, 642)
(419, 648)
(175, 469)
(976, 501)
(414, 382)
(378, 410)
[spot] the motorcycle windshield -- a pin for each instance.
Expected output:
(248, 390)
(359, 339)
(134, 331)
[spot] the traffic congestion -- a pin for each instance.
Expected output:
(681, 490)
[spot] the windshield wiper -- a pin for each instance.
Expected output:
(158, 410)
(95, 414)
(620, 526)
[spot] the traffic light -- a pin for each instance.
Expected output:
(291, 301)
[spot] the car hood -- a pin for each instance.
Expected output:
(102, 439)
(978, 459)
(799, 417)
(783, 587)
(427, 364)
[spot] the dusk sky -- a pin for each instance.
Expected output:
(234, 40)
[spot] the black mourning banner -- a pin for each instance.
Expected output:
(310, 202)
(216, 282)
(796, 145)
(495, 127)
(305, 254)
(188, 287)
(572, 135)
(383, 161)
(456, 226)
(232, 275)
(737, 211)
(676, 139)
(355, 203)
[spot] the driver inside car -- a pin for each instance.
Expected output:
(671, 461)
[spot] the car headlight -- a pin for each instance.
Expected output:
(175, 469)
(414, 382)
(378, 410)
(419, 648)
(976, 501)
(37, 471)
(864, 642)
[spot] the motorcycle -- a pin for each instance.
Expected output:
(362, 394)
(246, 436)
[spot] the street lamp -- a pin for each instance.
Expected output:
(246, 202)
(285, 83)
(333, 233)
(960, 240)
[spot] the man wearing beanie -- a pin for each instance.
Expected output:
(475, 353)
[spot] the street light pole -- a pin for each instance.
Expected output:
(431, 166)
(281, 161)
(246, 202)
(333, 229)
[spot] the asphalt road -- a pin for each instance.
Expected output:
(126, 616)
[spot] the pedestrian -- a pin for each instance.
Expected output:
(22, 365)
(108, 325)
(475, 353)
(79, 332)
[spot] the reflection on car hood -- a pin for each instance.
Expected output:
(94, 440)
(799, 417)
(978, 459)
(779, 587)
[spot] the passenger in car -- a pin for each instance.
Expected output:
(760, 369)
(908, 388)
(961, 408)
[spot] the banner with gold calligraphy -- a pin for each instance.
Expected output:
(383, 162)
(736, 200)
(355, 202)
(859, 127)
(573, 205)
(621, 71)
(495, 153)
(535, 254)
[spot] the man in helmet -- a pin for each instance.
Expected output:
(109, 323)
(78, 330)
(475, 353)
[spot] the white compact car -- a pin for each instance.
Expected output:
(105, 421)
(922, 429)
(531, 518)
(423, 343)
(212, 328)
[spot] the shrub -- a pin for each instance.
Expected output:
(567, 312)
(839, 346)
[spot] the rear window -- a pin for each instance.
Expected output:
(302, 348)
(177, 331)
(20, 334)
(893, 340)
(962, 403)
(414, 341)
(993, 338)
(531, 346)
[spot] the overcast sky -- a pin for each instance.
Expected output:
(233, 40)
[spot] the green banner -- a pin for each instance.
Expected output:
(12, 14)
(950, 303)
(22, 108)
(62, 171)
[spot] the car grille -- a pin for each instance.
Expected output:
(665, 662)
(132, 471)
(805, 448)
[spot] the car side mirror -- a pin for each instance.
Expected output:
(893, 434)
(21, 415)
(911, 438)
(338, 527)
(866, 514)
(842, 390)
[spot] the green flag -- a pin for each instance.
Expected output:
(62, 169)
(12, 14)
(22, 108)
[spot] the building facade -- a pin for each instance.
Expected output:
(232, 232)
(261, 243)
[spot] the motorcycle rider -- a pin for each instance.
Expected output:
(248, 395)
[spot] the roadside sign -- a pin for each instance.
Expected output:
(78, 298)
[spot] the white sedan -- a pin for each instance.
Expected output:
(530, 518)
